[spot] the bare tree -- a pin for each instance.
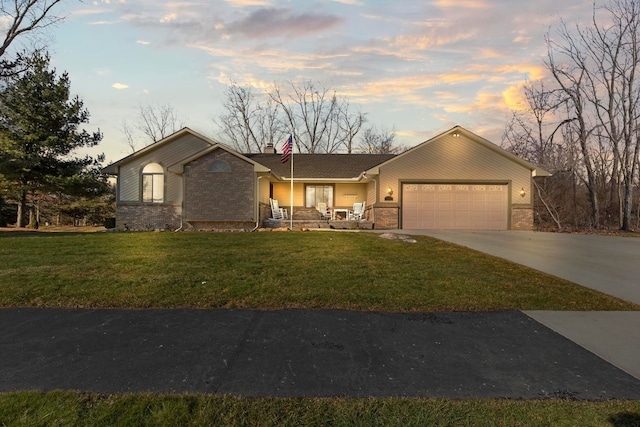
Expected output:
(536, 133)
(129, 136)
(572, 79)
(310, 112)
(249, 123)
(152, 123)
(350, 125)
(374, 141)
(613, 48)
(319, 120)
(19, 18)
(597, 72)
(531, 133)
(157, 122)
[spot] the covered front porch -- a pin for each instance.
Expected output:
(311, 218)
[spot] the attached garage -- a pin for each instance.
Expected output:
(454, 181)
(455, 206)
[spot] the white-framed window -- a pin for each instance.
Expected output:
(153, 183)
(319, 194)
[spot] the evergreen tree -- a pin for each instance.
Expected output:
(39, 132)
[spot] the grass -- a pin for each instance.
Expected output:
(80, 409)
(354, 271)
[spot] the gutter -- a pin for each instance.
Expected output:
(358, 178)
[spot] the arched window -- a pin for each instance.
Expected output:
(219, 166)
(153, 183)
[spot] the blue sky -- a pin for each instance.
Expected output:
(419, 66)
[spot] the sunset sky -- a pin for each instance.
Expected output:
(419, 66)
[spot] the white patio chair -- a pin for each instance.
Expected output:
(358, 211)
(276, 211)
(325, 213)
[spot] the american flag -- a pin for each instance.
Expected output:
(287, 148)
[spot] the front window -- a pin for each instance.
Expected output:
(153, 183)
(319, 194)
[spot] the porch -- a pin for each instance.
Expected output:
(311, 218)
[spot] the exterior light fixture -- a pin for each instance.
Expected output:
(389, 194)
(522, 192)
(455, 134)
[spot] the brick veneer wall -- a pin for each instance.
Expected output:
(521, 218)
(386, 218)
(147, 216)
(225, 198)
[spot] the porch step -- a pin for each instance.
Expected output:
(303, 214)
(338, 225)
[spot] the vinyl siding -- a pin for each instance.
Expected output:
(263, 190)
(455, 160)
(371, 193)
(165, 155)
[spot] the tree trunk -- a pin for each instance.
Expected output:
(628, 202)
(22, 210)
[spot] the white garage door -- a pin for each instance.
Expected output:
(454, 206)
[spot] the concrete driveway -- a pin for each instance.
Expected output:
(605, 263)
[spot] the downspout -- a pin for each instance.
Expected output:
(375, 201)
(257, 203)
(181, 205)
(375, 192)
(181, 216)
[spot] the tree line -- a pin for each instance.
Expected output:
(41, 129)
(582, 123)
(319, 119)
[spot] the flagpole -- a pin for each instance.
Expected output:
(291, 193)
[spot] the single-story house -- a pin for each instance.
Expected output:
(455, 180)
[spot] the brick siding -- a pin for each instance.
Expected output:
(147, 216)
(521, 219)
(223, 198)
(386, 218)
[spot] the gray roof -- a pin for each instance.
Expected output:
(318, 166)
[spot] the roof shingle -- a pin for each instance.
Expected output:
(318, 166)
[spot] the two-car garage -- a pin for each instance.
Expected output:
(454, 181)
(455, 206)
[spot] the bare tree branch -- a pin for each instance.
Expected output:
(158, 121)
(23, 17)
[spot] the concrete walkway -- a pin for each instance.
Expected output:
(607, 264)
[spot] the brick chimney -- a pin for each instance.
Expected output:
(269, 149)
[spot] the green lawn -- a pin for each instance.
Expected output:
(356, 271)
(81, 409)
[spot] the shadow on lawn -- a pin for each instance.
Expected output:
(49, 231)
(35, 233)
(625, 419)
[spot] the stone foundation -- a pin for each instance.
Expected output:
(311, 224)
(147, 216)
(219, 226)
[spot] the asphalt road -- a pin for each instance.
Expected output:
(300, 353)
